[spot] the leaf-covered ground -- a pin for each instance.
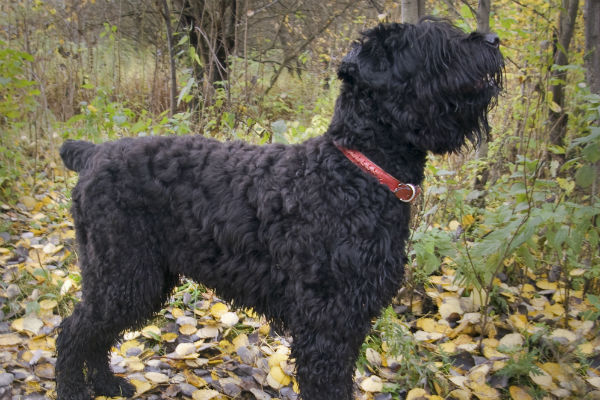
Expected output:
(199, 347)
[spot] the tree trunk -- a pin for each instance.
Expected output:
(483, 25)
(412, 10)
(173, 93)
(557, 116)
(592, 44)
(483, 15)
(592, 61)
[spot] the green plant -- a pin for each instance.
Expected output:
(520, 366)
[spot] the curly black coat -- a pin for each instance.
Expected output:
(297, 232)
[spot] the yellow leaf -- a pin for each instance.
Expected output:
(280, 377)
(229, 319)
(130, 344)
(577, 272)
(28, 324)
(416, 394)
(528, 290)
(218, 309)
(276, 358)
(556, 371)
(555, 309)
(545, 285)
(453, 225)
(185, 349)
(188, 329)
(467, 220)
(587, 348)
(48, 304)
(226, 347)
(28, 202)
(518, 321)
(372, 384)
(204, 394)
(448, 347)
(156, 377)
(511, 340)
(151, 332)
(554, 106)
(516, 393)
(543, 380)
(484, 392)
(427, 324)
(134, 364)
(460, 394)
(169, 336)
(264, 329)
(140, 386)
(594, 381)
(45, 371)
(193, 379)
(564, 335)
(240, 341)
(208, 332)
(450, 308)
(177, 312)
(490, 352)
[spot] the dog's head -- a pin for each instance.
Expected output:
(431, 83)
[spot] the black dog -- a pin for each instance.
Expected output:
(310, 235)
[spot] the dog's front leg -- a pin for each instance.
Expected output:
(326, 358)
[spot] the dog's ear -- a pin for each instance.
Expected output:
(349, 66)
(372, 61)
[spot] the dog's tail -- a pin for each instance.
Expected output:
(75, 154)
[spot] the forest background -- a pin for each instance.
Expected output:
(502, 295)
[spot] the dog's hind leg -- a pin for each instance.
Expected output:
(123, 285)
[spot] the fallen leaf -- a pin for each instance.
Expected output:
(48, 304)
(45, 371)
(517, 393)
(450, 308)
(373, 357)
(184, 349)
(218, 309)
(156, 377)
(29, 324)
(595, 382)
(276, 358)
(545, 285)
(188, 330)
(204, 394)
(460, 394)
(240, 341)
(10, 339)
(563, 336)
(281, 377)
(151, 332)
(484, 391)
(543, 379)
(416, 394)
(372, 384)
(208, 332)
(511, 341)
(229, 319)
(140, 386)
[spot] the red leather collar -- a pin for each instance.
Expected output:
(405, 192)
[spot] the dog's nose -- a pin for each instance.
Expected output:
(492, 39)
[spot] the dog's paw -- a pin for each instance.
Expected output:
(74, 393)
(115, 386)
